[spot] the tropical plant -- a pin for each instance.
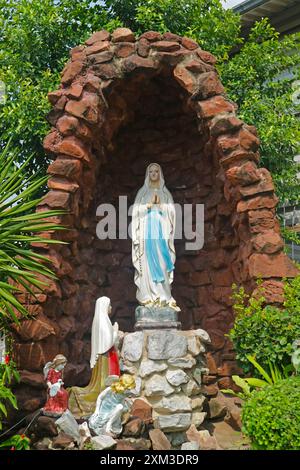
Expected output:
(8, 373)
(17, 442)
(20, 266)
(270, 376)
(271, 416)
(263, 331)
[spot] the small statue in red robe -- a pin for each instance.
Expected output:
(57, 402)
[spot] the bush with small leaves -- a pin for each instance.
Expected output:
(265, 331)
(271, 416)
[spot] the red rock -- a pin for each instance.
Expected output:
(248, 140)
(262, 220)
(44, 426)
(57, 199)
(199, 278)
(210, 390)
(273, 291)
(50, 142)
(134, 428)
(229, 369)
(54, 96)
(74, 147)
(217, 338)
(165, 46)
(197, 66)
(225, 123)
(268, 242)
(97, 47)
(222, 295)
(151, 36)
(86, 108)
(202, 438)
(33, 356)
(213, 106)
(124, 49)
(67, 125)
(208, 85)
(92, 83)
(206, 56)
(211, 363)
(32, 378)
(101, 58)
(65, 167)
(30, 404)
(143, 47)
(171, 37)
(244, 174)
(62, 184)
(265, 184)
(141, 409)
(132, 63)
(172, 58)
(133, 444)
(78, 54)
(98, 36)
(189, 43)
(75, 91)
(259, 202)
(62, 441)
(72, 70)
(66, 326)
(34, 330)
(208, 379)
(227, 144)
(227, 383)
(217, 409)
(222, 277)
(106, 71)
(159, 440)
(238, 156)
(123, 34)
(184, 78)
(276, 265)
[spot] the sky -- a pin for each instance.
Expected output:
(231, 3)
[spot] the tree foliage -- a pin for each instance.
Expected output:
(35, 39)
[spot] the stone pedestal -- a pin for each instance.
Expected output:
(168, 366)
(156, 318)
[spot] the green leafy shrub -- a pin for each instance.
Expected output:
(264, 331)
(8, 373)
(271, 416)
(17, 442)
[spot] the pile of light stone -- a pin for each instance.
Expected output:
(168, 365)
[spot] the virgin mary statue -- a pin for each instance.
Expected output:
(153, 252)
(104, 361)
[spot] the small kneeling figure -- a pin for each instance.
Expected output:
(111, 403)
(57, 402)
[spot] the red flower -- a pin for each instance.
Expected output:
(22, 436)
(12, 448)
(7, 359)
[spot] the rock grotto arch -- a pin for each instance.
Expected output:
(124, 102)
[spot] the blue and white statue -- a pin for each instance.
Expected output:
(153, 230)
(111, 404)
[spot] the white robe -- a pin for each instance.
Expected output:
(104, 335)
(148, 291)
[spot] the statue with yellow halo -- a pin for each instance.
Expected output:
(111, 404)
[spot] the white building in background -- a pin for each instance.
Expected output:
(284, 15)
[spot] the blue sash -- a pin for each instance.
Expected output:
(155, 243)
